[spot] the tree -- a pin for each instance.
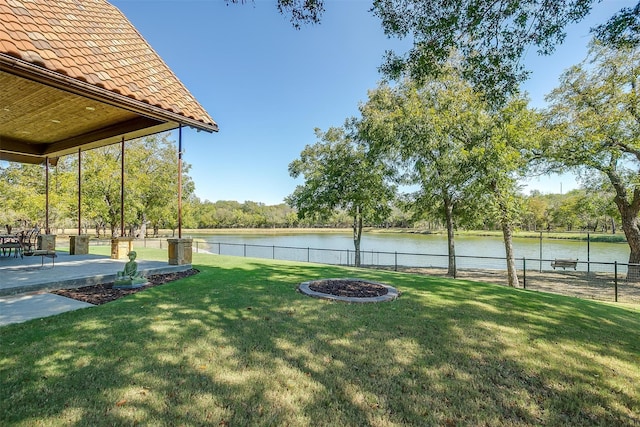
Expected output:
(492, 35)
(464, 155)
(300, 12)
(535, 217)
(340, 175)
(594, 117)
(150, 185)
(502, 155)
(22, 192)
(422, 132)
(622, 30)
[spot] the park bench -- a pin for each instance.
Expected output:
(564, 263)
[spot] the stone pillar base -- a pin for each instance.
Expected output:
(47, 242)
(79, 245)
(120, 247)
(180, 251)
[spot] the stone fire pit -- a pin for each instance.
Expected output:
(349, 290)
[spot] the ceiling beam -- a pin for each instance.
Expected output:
(24, 158)
(115, 130)
(16, 146)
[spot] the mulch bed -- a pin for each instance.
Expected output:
(348, 288)
(104, 293)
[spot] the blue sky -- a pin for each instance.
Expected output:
(268, 86)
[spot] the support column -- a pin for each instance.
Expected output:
(79, 245)
(122, 189)
(120, 247)
(46, 241)
(180, 251)
(79, 191)
(180, 182)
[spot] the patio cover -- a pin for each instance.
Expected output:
(75, 74)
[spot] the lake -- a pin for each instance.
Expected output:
(471, 246)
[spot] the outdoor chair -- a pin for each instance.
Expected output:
(29, 241)
(30, 247)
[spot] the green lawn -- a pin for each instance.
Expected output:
(236, 345)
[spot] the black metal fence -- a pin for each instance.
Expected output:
(607, 281)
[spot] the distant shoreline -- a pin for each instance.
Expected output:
(566, 235)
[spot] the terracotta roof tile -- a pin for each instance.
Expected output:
(92, 41)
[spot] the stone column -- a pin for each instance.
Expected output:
(120, 247)
(79, 245)
(47, 242)
(180, 251)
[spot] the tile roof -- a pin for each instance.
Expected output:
(92, 41)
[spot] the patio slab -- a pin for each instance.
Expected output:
(24, 282)
(17, 309)
(25, 275)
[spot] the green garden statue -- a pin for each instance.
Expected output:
(129, 277)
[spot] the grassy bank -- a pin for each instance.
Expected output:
(237, 345)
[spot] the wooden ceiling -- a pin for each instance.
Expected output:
(39, 121)
(77, 74)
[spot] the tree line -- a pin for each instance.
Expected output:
(22, 188)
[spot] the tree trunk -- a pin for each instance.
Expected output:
(357, 235)
(143, 227)
(632, 232)
(451, 245)
(512, 273)
(629, 215)
(507, 233)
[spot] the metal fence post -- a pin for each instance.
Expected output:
(615, 282)
(396, 263)
(308, 254)
(588, 253)
(524, 273)
(541, 252)
(273, 252)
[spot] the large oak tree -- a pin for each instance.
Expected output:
(594, 117)
(339, 174)
(462, 154)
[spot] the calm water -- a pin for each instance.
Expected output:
(432, 244)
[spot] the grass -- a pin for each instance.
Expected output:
(236, 345)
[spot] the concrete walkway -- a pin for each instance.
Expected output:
(24, 282)
(21, 308)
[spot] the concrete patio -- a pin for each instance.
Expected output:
(24, 282)
(25, 275)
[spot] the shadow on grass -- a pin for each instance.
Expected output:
(237, 345)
